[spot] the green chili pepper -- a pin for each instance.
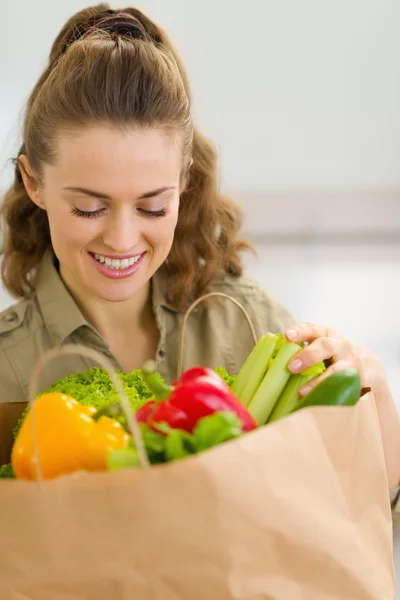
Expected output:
(340, 389)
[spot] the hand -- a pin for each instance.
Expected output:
(327, 345)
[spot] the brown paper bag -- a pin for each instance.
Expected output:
(298, 509)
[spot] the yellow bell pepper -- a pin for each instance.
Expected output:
(68, 439)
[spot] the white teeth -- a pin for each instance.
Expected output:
(115, 263)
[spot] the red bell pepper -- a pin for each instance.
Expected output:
(156, 411)
(199, 392)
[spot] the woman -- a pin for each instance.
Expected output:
(114, 224)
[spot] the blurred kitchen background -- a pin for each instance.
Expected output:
(302, 100)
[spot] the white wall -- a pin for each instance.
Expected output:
(296, 94)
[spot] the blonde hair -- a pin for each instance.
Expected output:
(118, 67)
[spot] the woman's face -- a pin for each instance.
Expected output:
(112, 200)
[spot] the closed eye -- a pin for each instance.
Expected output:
(88, 214)
(153, 213)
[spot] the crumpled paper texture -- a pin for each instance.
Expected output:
(299, 509)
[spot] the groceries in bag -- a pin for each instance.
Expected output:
(201, 409)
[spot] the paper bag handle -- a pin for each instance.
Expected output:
(105, 363)
(190, 309)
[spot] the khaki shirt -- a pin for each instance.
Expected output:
(214, 336)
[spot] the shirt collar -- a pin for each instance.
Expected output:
(159, 291)
(60, 311)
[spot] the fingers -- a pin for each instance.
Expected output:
(335, 368)
(322, 349)
(308, 332)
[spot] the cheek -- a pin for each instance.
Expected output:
(67, 229)
(160, 232)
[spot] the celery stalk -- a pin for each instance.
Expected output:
(271, 387)
(259, 367)
(247, 368)
(289, 399)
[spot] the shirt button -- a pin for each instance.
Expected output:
(10, 317)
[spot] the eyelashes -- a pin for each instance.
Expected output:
(151, 214)
(87, 214)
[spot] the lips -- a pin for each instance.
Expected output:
(117, 263)
(117, 268)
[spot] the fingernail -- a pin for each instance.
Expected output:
(305, 390)
(291, 334)
(296, 365)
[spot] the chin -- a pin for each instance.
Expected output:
(117, 293)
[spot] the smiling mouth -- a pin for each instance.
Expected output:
(116, 263)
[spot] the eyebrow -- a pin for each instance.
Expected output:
(95, 194)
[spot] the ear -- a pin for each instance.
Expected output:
(30, 180)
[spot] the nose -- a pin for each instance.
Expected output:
(122, 232)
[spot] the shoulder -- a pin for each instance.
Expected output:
(12, 317)
(17, 326)
(19, 321)
(265, 311)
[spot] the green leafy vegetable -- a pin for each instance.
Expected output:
(229, 379)
(170, 444)
(154, 443)
(6, 472)
(178, 444)
(93, 387)
(215, 429)
(122, 459)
